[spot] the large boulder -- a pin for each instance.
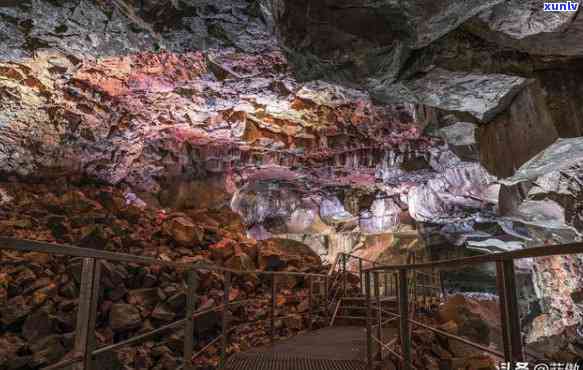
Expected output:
(518, 134)
(204, 193)
(17, 308)
(473, 317)
(281, 254)
(223, 250)
(375, 48)
(47, 350)
(359, 34)
(240, 261)
(524, 25)
(183, 230)
(124, 317)
(482, 96)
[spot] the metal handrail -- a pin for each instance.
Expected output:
(85, 347)
(23, 245)
(542, 251)
(506, 283)
(359, 258)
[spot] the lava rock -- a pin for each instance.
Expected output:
(47, 350)
(240, 261)
(183, 231)
(38, 325)
(163, 312)
(123, 317)
(17, 309)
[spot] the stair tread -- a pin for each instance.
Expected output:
(359, 298)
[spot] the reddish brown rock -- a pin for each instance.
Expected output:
(276, 254)
(16, 309)
(135, 298)
(294, 322)
(240, 261)
(144, 298)
(38, 325)
(473, 317)
(223, 250)
(124, 317)
(183, 231)
(10, 347)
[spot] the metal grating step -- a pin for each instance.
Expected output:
(274, 361)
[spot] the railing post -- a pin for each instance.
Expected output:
(310, 301)
(85, 294)
(501, 302)
(192, 286)
(396, 284)
(404, 320)
(386, 276)
(225, 321)
(361, 275)
(369, 354)
(509, 311)
(87, 314)
(415, 276)
(326, 293)
(273, 292)
(344, 276)
(379, 315)
(424, 289)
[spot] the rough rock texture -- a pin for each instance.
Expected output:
(529, 119)
(380, 61)
(524, 25)
(39, 292)
(562, 276)
(560, 156)
(231, 117)
(482, 96)
(563, 93)
(510, 41)
(458, 53)
(335, 32)
(192, 105)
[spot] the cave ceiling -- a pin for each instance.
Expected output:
(311, 118)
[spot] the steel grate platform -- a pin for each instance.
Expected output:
(330, 348)
(270, 361)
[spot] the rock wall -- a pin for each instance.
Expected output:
(514, 137)
(465, 69)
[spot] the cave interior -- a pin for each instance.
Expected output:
(276, 135)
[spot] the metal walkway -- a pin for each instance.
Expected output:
(331, 348)
(334, 347)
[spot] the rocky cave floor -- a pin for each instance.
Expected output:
(39, 293)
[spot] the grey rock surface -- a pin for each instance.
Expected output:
(562, 155)
(460, 134)
(481, 95)
(524, 25)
